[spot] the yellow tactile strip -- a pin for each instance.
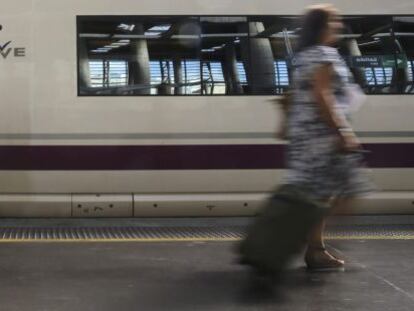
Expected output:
(185, 234)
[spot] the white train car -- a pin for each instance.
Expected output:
(163, 108)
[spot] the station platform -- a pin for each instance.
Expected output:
(189, 264)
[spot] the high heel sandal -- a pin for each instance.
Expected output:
(318, 258)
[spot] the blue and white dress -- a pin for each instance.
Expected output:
(313, 158)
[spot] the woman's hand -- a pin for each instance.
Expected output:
(348, 142)
(281, 132)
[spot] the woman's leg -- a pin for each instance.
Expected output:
(317, 257)
(316, 239)
(336, 206)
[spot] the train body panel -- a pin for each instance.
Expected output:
(42, 108)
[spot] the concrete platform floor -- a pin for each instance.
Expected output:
(196, 276)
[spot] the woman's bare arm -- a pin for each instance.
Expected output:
(322, 91)
(325, 99)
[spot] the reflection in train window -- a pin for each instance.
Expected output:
(159, 72)
(222, 41)
(410, 69)
(367, 47)
(281, 73)
(378, 76)
(161, 55)
(104, 73)
(404, 45)
(237, 55)
(271, 46)
(163, 74)
(214, 81)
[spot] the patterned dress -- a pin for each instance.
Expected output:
(314, 159)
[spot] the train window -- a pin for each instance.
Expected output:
(367, 46)
(242, 73)
(377, 76)
(230, 55)
(154, 55)
(159, 71)
(108, 73)
(271, 46)
(97, 73)
(404, 46)
(222, 55)
(410, 69)
(281, 73)
(163, 73)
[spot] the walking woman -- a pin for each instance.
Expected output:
(322, 154)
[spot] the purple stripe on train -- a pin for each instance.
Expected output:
(177, 157)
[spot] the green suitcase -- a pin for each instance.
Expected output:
(281, 230)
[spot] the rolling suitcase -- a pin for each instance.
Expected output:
(280, 231)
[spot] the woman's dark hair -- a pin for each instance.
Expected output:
(314, 23)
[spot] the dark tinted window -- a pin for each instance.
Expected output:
(367, 46)
(237, 55)
(222, 57)
(154, 56)
(271, 46)
(404, 44)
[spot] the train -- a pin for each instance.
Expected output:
(159, 108)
